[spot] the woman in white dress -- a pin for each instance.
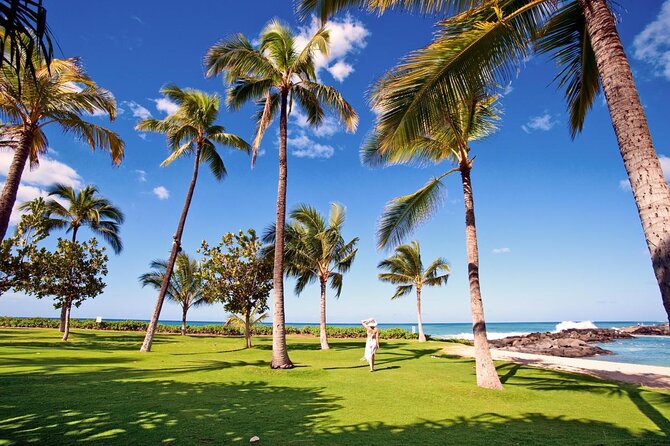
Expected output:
(372, 342)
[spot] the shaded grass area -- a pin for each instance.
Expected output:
(98, 389)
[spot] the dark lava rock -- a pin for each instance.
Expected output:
(649, 330)
(572, 343)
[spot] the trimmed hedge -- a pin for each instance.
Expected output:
(219, 330)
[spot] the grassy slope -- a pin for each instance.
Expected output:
(99, 389)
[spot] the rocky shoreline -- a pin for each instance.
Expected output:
(574, 343)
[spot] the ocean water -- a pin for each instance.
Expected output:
(647, 350)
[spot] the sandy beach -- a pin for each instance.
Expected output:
(646, 375)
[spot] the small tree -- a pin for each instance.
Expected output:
(235, 273)
(71, 274)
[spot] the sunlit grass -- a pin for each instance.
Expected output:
(99, 389)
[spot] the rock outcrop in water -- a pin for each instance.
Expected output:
(573, 343)
(648, 330)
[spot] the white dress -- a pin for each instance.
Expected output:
(371, 347)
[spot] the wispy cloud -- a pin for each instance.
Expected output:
(302, 146)
(137, 110)
(504, 250)
(166, 106)
(347, 37)
(137, 19)
(141, 175)
(543, 122)
(652, 45)
(161, 193)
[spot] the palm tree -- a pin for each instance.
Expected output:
(83, 208)
(185, 286)
(189, 131)
(278, 75)
(24, 34)
(59, 94)
(405, 269)
(315, 251)
(473, 119)
(485, 41)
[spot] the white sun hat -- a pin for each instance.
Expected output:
(372, 322)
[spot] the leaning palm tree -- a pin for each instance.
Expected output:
(60, 94)
(185, 286)
(405, 269)
(474, 119)
(317, 251)
(72, 210)
(189, 131)
(278, 75)
(485, 41)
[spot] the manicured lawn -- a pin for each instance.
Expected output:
(98, 389)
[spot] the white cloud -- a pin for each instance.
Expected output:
(302, 146)
(166, 106)
(137, 19)
(142, 136)
(141, 175)
(161, 192)
(624, 185)
(347, 37)
(34, 182)
(543, 122)
(507, 89)
(137, 110)
(652, 45)
(502, 250)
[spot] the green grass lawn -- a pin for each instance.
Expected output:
(99, 389)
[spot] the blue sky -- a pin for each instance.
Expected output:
(559, 234)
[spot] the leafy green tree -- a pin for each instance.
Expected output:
(474, 119)
(405, 270)
(235, 273)
(185, 286)
(59, 93)
(190, 131)
(482, 42)
(71, 210)
(71, 274)
(278, 76)
(317, 251)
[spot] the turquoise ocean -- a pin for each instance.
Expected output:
(647, 350)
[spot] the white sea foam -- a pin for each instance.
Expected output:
(566, 325)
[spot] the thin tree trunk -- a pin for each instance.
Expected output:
(13, 180)
(650, 189)
(422, 336)
(280, 359)
(247, 329)
(63, 311)
(176, 247)
(68, 309)
(183, 320)
(487, 376)
(322, 327)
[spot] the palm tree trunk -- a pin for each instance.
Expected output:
(322, 328)
(176, 247)
(183, 320)
(422, 336)
(280, 359)
(247, 329)
(487, 376)
(68, 309)
(13, 180)
(650, 189)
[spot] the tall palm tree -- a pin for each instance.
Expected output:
(185, 286)
(82, 208)
(190, 131)
(278, 75)
(483, 41)
(60, 94)
(316, 251)
(405, 269)
(474, 119)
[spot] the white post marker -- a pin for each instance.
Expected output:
(413, 329)
(98, 319)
